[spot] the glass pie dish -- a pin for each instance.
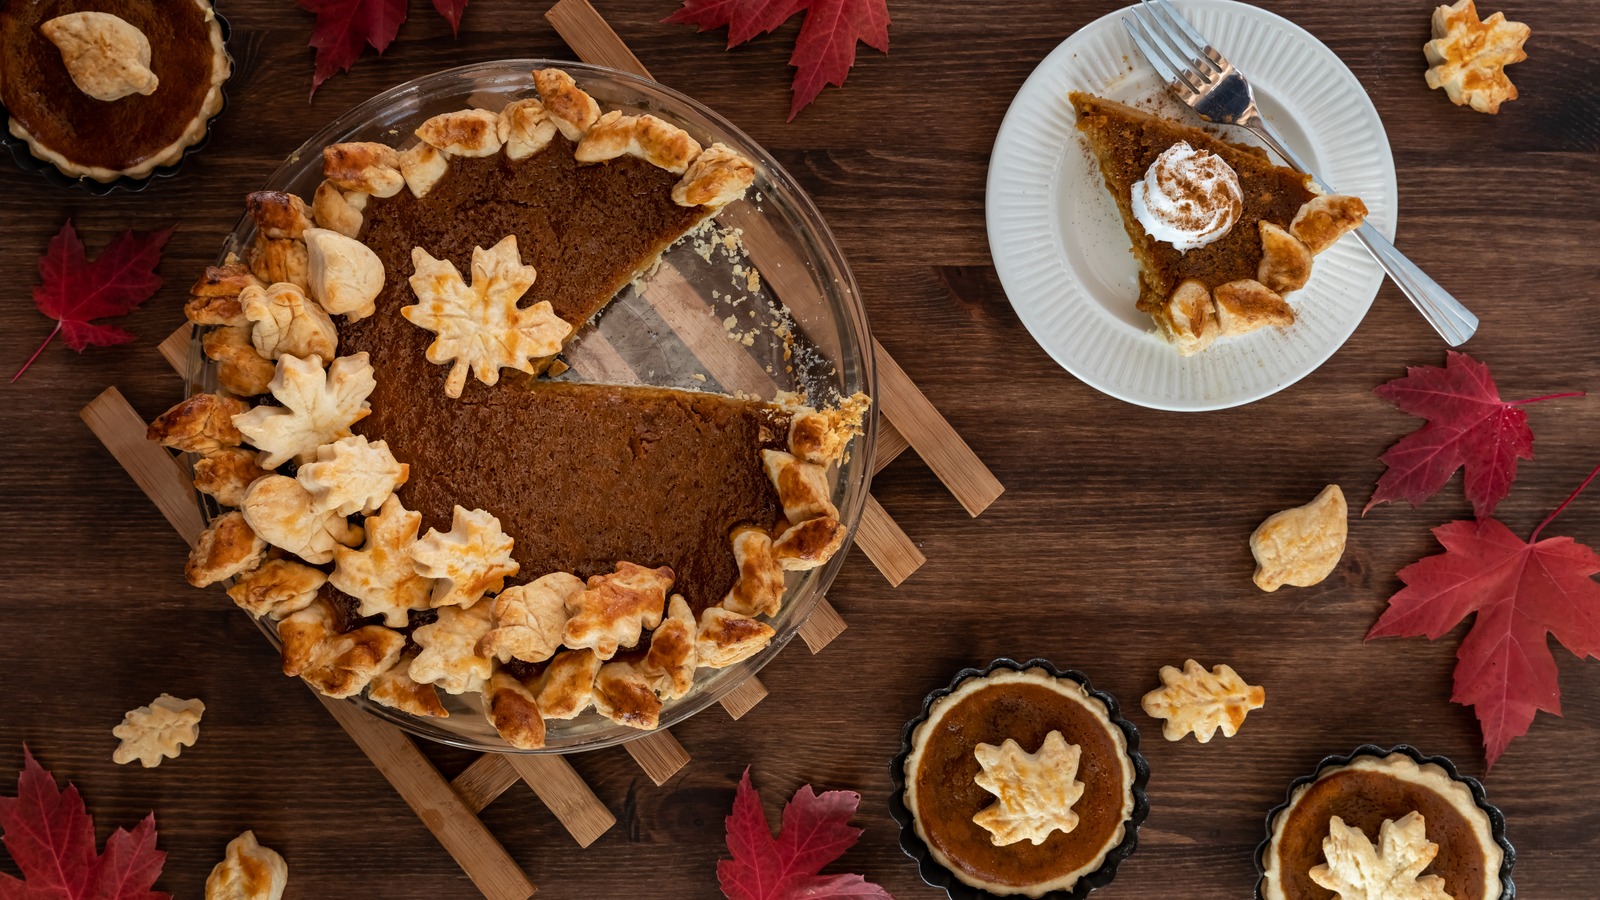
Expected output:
(758, 302)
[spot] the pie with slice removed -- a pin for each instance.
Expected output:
(1237, 283)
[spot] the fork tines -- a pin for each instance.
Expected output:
(1173, 47)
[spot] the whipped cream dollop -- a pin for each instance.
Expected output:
(1188, 197)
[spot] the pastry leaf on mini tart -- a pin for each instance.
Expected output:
(816, 831)
(1519, 593)
(1469, 427)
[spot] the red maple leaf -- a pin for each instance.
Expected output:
(345, 27)
(451, 10)
(51, 837)
(1468, 426)
(815, 832)
(1519, 593)
(826, 47)
(75, 292)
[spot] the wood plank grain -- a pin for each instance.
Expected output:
(931, 435)
(822, 626)
(565, 793)
(175, 350)
(744, 698)
(585, 31)
(482, 782)
(889, 549)
(157, 472)
(659, 754)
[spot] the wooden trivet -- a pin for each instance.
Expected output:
(449, 808)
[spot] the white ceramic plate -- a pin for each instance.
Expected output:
(1063, 257)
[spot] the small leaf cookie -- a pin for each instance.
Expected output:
(152, 733)
(1468, 56)
(1201, 702)
(1301, 546)
(1034, 792)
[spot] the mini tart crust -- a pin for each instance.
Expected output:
(1403, 768)
(221, 68)
(1063, 686)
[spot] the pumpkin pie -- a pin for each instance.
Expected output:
(551, 546)
(111, 88)
(1423, 828)
(1221, 233)
(1021, 782)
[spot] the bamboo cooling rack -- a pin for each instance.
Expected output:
(449, 808)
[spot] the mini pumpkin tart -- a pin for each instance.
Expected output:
(1385, 823)
(1221, 233)
(1019, 780)
(113, 88)
(442, 518)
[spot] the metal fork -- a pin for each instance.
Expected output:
(1208, 83)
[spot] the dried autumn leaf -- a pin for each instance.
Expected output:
(1469, 427)
(1521, 592)
(346, 27)
(75, 291)
(745, 19)
(51, 837)
(816, 831)
(451, 10)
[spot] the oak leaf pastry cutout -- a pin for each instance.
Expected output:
(338, 211)
(623, 694)
(343, 274)
(717, 177)
(283, 513)
(381, 574)
(529, 619)
(568, 106)
(1468, 56)
(473, 558)
(615, 609)
(525, 128)
(287, 322)
(511, 707)
(318, 407)
(449, 656)
(1201, 702)
(227, 474)
(566, 687)
(277, 588)
(466, 132)
(201, 424)
(670, 662)
(214, 299)
(1301, 546)
(396, 689)
(248, 871)
(363, 167)
(480, 327)
(1034, 792)
(106, 56)
(1392, 870)
(227, 547)
(659, 143)
(352, 475)
(152, 733)
(724, 637)
(759, 588)
(241, 369)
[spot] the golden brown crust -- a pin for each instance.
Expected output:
(572, 110)
(529, 619)
(1189, 319)
(616, 608)
(467, 132)
(449, 656)
(364, 166)
(279, 214)
(1246, 305)
(1468, 56)
(1285, 261)
(725, 637)
(422, 165)
(226, 548)
(249, 871)
(526, 128)
(240, 369)
(809, 544)
(397, 690)
(214, 299)
(227, 474)
(513, 711)
(473, 558)
(821, 436)
(286, 322)
(202, 424)
(653, 140)
(273, 260)
(277, 588)
(346, 663)
(717, 177)
(623, 694)
(1326, 218)
(106, 57)
(336, 211)
(380, 575)
(303, 632)
(759, 589)
(566, 687)
(282, 512)
(671, 660)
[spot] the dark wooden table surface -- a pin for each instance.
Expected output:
(1119, 545)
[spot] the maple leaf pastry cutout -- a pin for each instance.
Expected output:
(473, 558)
(381, 574)
(480, 327)
(352, 475)
(152, 733)
(449, 657)
(616, 608)
(1468, 56)
(248, 871)
(1391, 870)
(1034, 792)
(318, 407)
(1201, 702)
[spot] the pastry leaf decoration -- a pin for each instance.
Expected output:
(1469, 427)
(1519, 592)
(1034, 792)
(1195, 700)
(1391, 870)
(826, 48)
(75, 292)
(345, 28)
(50, 835)
(816, 831)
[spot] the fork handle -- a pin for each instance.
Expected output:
(1454, 322)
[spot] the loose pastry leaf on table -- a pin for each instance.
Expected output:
(50, 836)
(1469, 427)
(75, 291)
(816, 831)
(1201, 702)
(1468, 56)
(1521, 592)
